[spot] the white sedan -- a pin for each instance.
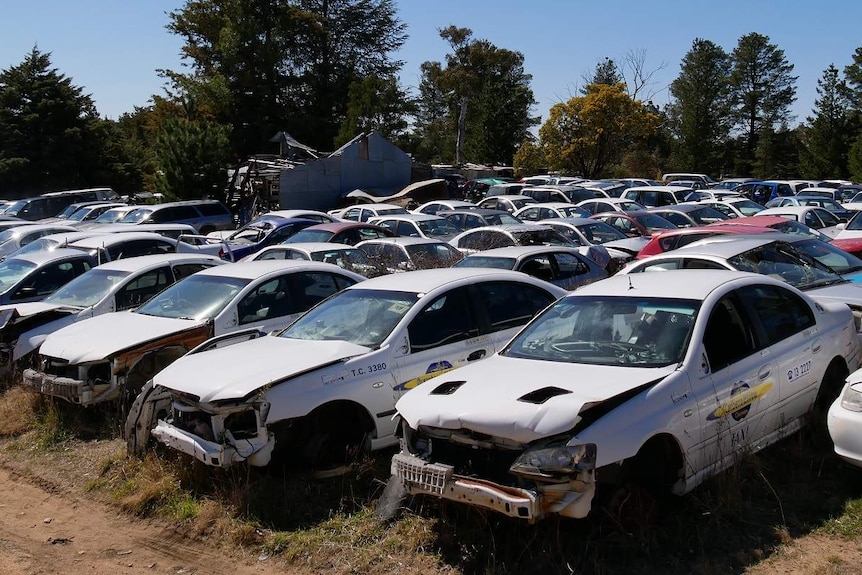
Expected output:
(660, 379)
(844, 421)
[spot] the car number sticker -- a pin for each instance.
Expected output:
(799, 370)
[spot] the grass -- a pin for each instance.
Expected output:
(732, 522)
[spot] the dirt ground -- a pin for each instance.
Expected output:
(45, 532)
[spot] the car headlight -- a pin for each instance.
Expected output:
(555, 461)
(851, 399)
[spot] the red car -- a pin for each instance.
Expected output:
(673, 239)
(777, 223)
(638, 223)
(850, 245)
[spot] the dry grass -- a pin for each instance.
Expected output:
(19, 411)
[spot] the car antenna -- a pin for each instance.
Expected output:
(630, 283)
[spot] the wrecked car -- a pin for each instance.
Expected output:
(660, 380)
(113, 286)
(113, 355)
(325, 388)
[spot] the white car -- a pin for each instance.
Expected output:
(113, 355)
(114, 286)
(326, 386)
(418, 226)
(658, 379)
(489, 237)
(548, 210)
(431, 208)
(734, 207)
(844, 421)
(815, 218)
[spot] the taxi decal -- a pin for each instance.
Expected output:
(742, 396)
(435, 369)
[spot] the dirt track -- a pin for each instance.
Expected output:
(43, 532)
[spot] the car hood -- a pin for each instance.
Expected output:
(102, 336)
(629, 245)
(14, 311)
(502, 397)
(849, 293)
(18, 318)
(237, 371)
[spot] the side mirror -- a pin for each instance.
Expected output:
(24, 293)
(841, 225)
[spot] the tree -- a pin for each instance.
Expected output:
(855, 160)
(482, 94)
(587, 134)
(376, 104)
(529, 159)
(853, 79)
(763, 89)
(49, 130)
(606, 72)
(699, 110)
(191, 154)
(826, 138)
(269, 65)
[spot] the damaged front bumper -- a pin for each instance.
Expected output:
(243, 435)
(570, 498)
(77, 391)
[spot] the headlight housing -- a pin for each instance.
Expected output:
(551, 462)
(851, 399)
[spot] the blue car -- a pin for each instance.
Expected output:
(259, 233)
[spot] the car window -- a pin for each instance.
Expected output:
(213, 209)
(539, 267)
(143, 288)
(510, 304)
(569, 265)
(828, 218)
(698, 264)
(476, 222)
(812, 221)
(271, 299)
(727, 338)
(185, 270)
(53, 277)
(677, 219)
(781, 312)
(445, 320)
(406, 229)
(310, 288)
(137, 248)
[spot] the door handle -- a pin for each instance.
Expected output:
(816, 346)
(764, 372)
(478, 354)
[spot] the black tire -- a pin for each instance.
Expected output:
(831, 386)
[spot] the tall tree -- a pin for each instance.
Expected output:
(700, 107)
(853, 79)
(828, 135)
(763, 89)
(606, 72)
(485, 93)
(529, 159)
(49, 130)
(269, 65)
(376, 104)
(588, 134)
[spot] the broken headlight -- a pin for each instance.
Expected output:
(555, 461)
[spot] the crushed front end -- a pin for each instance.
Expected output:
(217, 435)
(83, 384)
(522, 481)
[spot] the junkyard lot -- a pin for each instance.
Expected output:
(792, 509)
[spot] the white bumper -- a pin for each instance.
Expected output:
(72, 390)
(845, 427)
(257, 451)
(570, 499)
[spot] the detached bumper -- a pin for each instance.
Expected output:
(570, 499)
(257, 451)
(67, 388)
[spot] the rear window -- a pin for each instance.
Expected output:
(214, 209)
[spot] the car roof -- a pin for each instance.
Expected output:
(110, 239)
(675, 284)
(522, 251)
(512, 196)
(475, 212)
(407, 217)
(59, 226)
(508, 228)
(401, 240)
(377, 207)
(755, 220)
(554, 205)
(425, 281)
(790, 210)
(47, 256)
(659, 188)
(156, 260)
(251, 270)
(571, 221)
(310, 247)
(336, 227)
(725, 249)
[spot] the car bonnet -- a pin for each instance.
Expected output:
(502, 397)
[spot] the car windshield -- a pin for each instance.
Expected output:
(500, 219)
(36, 246)
(12, 270)
(68, 211)
(599, 232)
(16, 207)
(654, 223)
(360, 316)
(196, 297)
(783, 262)
(87, 289)
(110, 216)
(830, 256)
(792, 227)
(572, 211)
(309, 236)
(487, 262)
(437, 228)
(136, 216)
(609, 330)
(706, 215)
(748, 208)
(79, 215)
(437, 253)
(250, 234)
(9, 234)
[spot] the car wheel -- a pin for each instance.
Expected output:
(830, 387)
(151, 404)
(335, 437)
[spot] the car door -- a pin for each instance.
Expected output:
(505, 307)
(530, 215)
(741, 372)
(790, 330)
(571, 271)
(442, 336)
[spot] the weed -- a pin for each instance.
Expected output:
(19, 411)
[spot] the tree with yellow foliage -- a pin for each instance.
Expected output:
(588, 134)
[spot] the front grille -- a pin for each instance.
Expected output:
(490, 464)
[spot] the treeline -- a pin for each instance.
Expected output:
(326, 71)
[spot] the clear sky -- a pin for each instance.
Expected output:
(113, 48)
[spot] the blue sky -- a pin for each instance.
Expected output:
(112, 48)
